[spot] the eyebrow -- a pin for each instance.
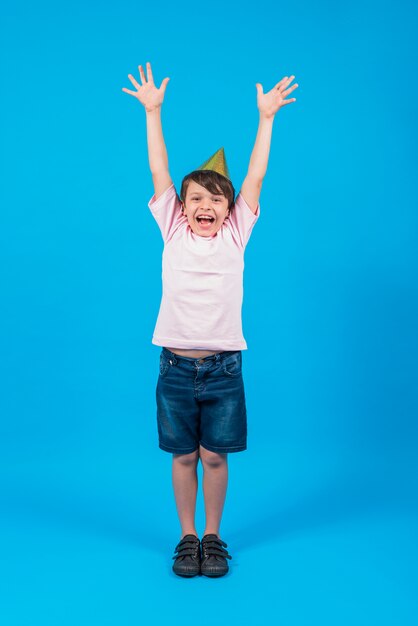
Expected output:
(197, 193)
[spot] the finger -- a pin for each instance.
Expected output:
(280, 83)
(164, 84)
(288, 101)
(141, 72)
(288, 91)
(149, 73)
(133, 93)
(289, 80)
(134, 81)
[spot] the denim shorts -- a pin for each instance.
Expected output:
(201, 401)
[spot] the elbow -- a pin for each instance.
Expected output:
(256, 179)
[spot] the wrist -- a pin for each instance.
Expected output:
(266, 117)
(154, 110)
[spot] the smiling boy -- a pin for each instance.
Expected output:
(201, 411)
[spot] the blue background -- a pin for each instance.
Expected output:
(321, 510)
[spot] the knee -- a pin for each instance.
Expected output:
(186, 459)
(211, 459)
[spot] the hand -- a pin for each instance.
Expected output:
(269, 103)
(147, 94)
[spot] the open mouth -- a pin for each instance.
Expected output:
(205, 220)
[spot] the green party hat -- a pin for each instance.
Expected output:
(217, 163)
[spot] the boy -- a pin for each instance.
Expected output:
(201, 410)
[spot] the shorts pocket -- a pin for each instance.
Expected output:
(164, 365)
(232, 365)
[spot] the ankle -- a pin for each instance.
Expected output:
(188, 532)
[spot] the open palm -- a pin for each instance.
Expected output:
(269, 103)
(147, 93)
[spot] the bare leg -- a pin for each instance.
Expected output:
(215, 480)
(184, 473)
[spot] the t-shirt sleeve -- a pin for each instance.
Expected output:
(166, 210)
(242, 220)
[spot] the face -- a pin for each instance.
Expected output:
(200, 202)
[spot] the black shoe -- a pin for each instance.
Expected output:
(187, 561)
(214, 556)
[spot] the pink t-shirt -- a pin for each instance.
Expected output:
(202, 278)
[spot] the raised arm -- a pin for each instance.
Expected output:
(268, 105)
(152, 98)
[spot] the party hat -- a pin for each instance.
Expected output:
(217, 163)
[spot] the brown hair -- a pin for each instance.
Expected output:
(213, 182)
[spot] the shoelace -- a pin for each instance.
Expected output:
(216, 547)
(187, 547)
